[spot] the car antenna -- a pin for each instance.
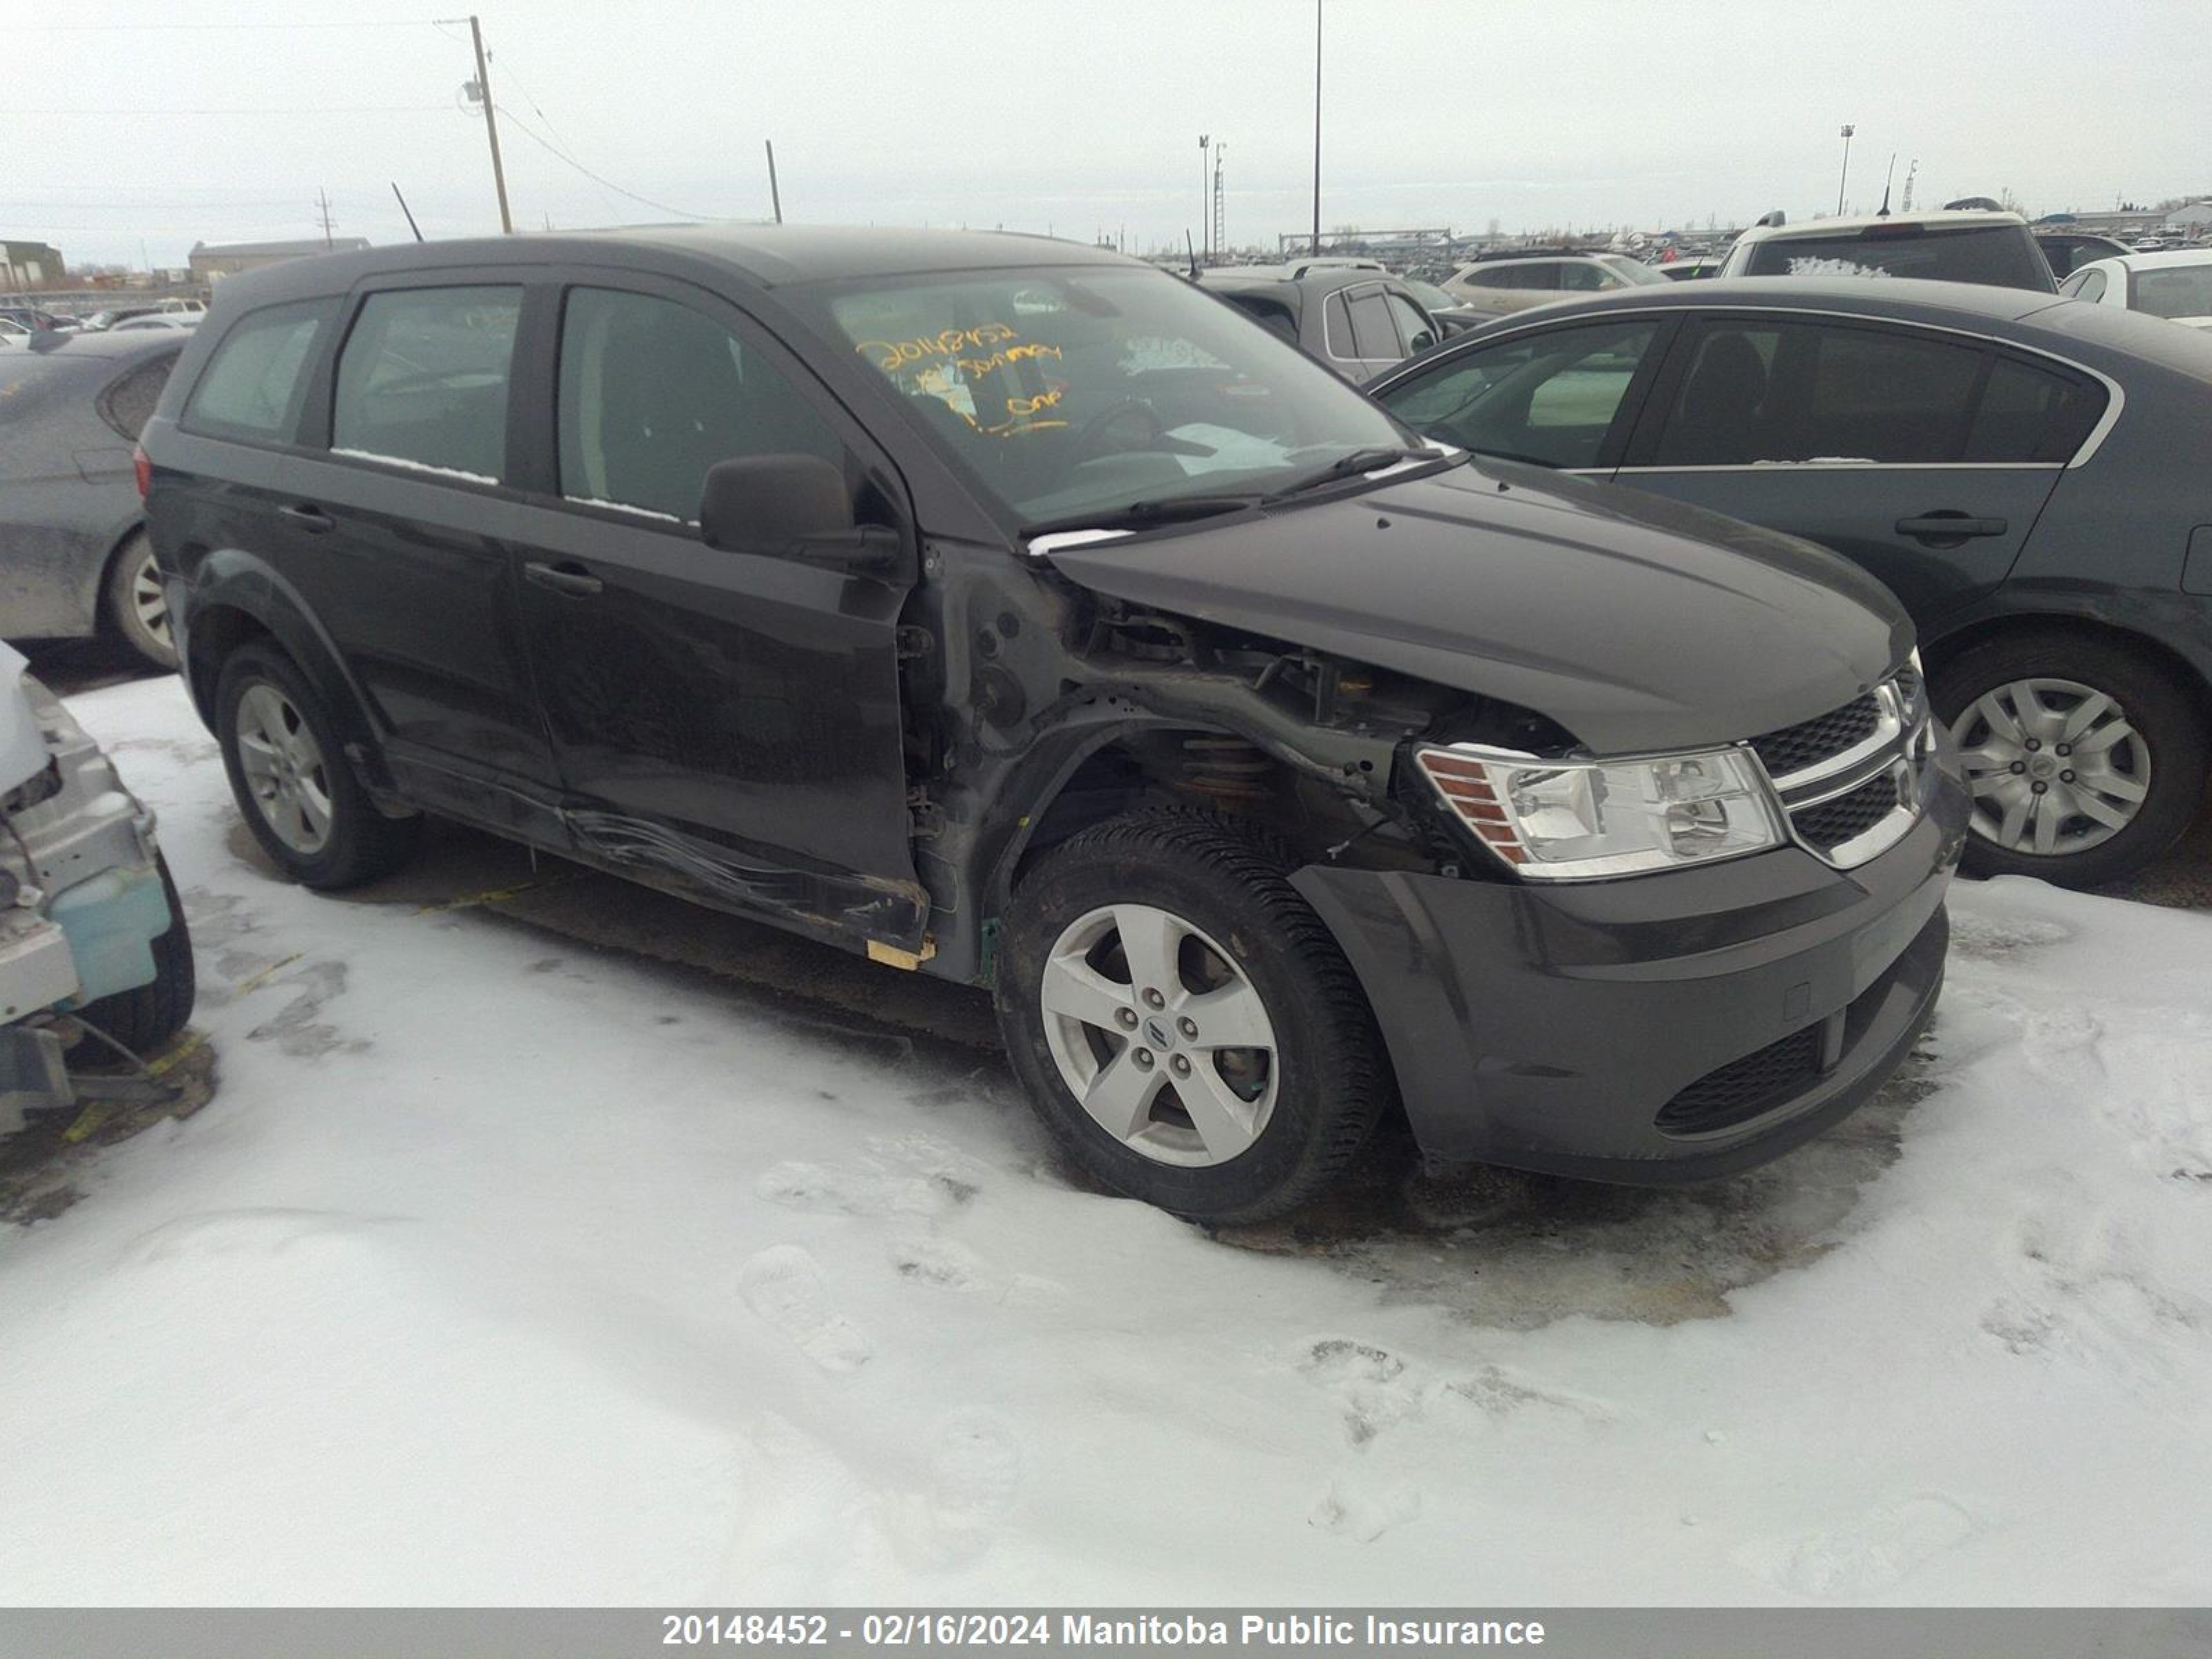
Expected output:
(1194, 254)
(1885, 177)
(404, 207)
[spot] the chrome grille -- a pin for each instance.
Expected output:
(1809, 743)
(1851, 781)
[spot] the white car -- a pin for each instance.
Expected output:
(2176, 285)
(13, 333)
(1957, 246)
(1515, 282)
(177, 323)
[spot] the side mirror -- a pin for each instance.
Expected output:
(1421, 342)
(790, 507)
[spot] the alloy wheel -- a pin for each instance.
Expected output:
(285, 770)
(148, 603)
(1160, 1034)
(2054, 765)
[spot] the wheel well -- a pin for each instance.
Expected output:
(215, 633)
(2167, 661)
(1164, 766)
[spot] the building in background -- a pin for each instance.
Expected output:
(27, 265)
(2191, 217)
(211, 264)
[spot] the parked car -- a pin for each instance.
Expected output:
(102, 320)
(1445, 308)
(74, 557)
(13, 333)
(1497, 282)
(2068, 250)
(2176, 286)
(1970, 246)
(1352, 315)
(90, 924)
(32, 317)
(1018, 614)
(2011, 467)
(170, 322)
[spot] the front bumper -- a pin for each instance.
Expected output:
(1656, 1028)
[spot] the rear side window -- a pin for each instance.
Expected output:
(2029, 413)
(251, 387)
(1373, 334)
(2175, 291)
(423, 379)
(653, 393)
(127, 404)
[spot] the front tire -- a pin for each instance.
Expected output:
(138, 607)
(1183, 1022)
(286, 759)
(2084, 762)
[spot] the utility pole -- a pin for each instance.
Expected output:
(774, 195)
(1315, 250)
(1848, 130)
(491, 125)
(323, 217)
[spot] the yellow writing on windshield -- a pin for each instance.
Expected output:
(893, 354)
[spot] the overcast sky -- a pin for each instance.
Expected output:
(1079, 116)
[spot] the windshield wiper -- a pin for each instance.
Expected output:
(1167, 509)
(1347, 466)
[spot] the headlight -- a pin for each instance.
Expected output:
(1576, 820)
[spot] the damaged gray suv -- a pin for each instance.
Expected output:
(1013, 612)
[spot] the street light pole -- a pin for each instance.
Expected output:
(1315, 250)
(1205, 190)
(1848, 130)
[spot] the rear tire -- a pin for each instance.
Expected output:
(137, 606)
(143, 1019)
(2140, 757)
(286, 759)
(1252, 1077)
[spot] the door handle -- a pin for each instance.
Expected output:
(312, 519)
(570, 579)
(1949, 526)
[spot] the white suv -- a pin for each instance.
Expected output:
(1956, 246)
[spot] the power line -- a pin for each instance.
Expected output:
(305, 109)
(141, 28)
(524, 129)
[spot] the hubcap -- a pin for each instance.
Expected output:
(2054, 766)
(1160, 1034)
(284, 769)
(147, 603)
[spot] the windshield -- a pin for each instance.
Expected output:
(2176, 291)
(1062, 392)
(2005, 256)
(1432, 296)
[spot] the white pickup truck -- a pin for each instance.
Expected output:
(90, 925)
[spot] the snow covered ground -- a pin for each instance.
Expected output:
(498, 1272)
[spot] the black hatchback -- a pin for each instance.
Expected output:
(2025, 473)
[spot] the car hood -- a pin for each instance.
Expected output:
(1636, 623)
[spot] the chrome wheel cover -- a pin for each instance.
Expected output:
(1160, 1035)
(284, 769)
(2054, 766)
